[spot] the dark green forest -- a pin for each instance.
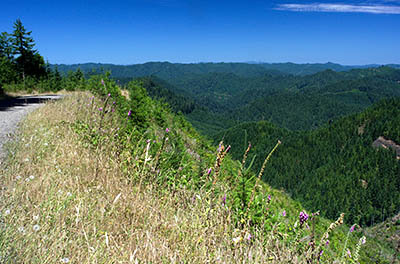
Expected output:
(334, 168)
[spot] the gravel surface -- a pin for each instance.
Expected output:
(13, 110)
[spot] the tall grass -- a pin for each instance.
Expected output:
(77, 188)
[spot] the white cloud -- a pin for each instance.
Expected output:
(344, 8)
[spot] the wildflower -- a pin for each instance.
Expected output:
(129, 113)
(36, 228)
(248, 237)
(228, 148)
(303, 217)
(352, 228)
(113, 110)
(284, 213)
(36, 217)
(102, 81)
(269, 198)
(167, 130)
(31, 177)
(321, 252)
(237, 239)
(27, 160)
(7, 212)
(114, 103)
(209, 171)
(65, 260)
(327, 242)
(100, 109)
(108, 94)
(363, 240)
(148, 141)
(69, 194)
(18, 177)
(27, 179)
(21, 229)
(349, 253)
(224, 200)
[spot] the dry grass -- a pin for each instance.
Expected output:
(62, 199)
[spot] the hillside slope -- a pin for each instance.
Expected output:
(334, 168)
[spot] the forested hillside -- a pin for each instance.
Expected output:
(334, 168)
(227, 94)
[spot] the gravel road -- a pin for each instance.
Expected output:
(13, 110)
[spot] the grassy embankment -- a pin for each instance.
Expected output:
(70, 197)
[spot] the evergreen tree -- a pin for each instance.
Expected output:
(29, 62)
(6, 47)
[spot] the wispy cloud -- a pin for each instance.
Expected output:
(343, 8)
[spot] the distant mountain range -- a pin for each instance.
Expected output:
(242, 69)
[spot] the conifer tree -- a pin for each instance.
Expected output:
(29, 62)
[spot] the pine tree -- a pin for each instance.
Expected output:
(29, 62)
(6, 47)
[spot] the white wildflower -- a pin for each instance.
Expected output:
(27, 160)
(36, 217)
(21, 229)
(36, 228)
(7, 212)
(237, 239)
(69, 194)
(18, 177)
(65, 260)
(32, 177)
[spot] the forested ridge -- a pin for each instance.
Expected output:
(227, 94)
(334, 168)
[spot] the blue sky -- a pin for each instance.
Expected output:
(137, 31)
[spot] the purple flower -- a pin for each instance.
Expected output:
(269, 197)
(108, 94)
(327, 242)
(129, 113)
(284, 213)
(224, 200)
(101, 109)
(102, 81)
(349, 253)
(167, 130)
(113, 110)
(148, 141)
(113, 103)
(321, 252)
(248, 237)
(228, 148)
(209, 171)
(352, 228)
(303, 217)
